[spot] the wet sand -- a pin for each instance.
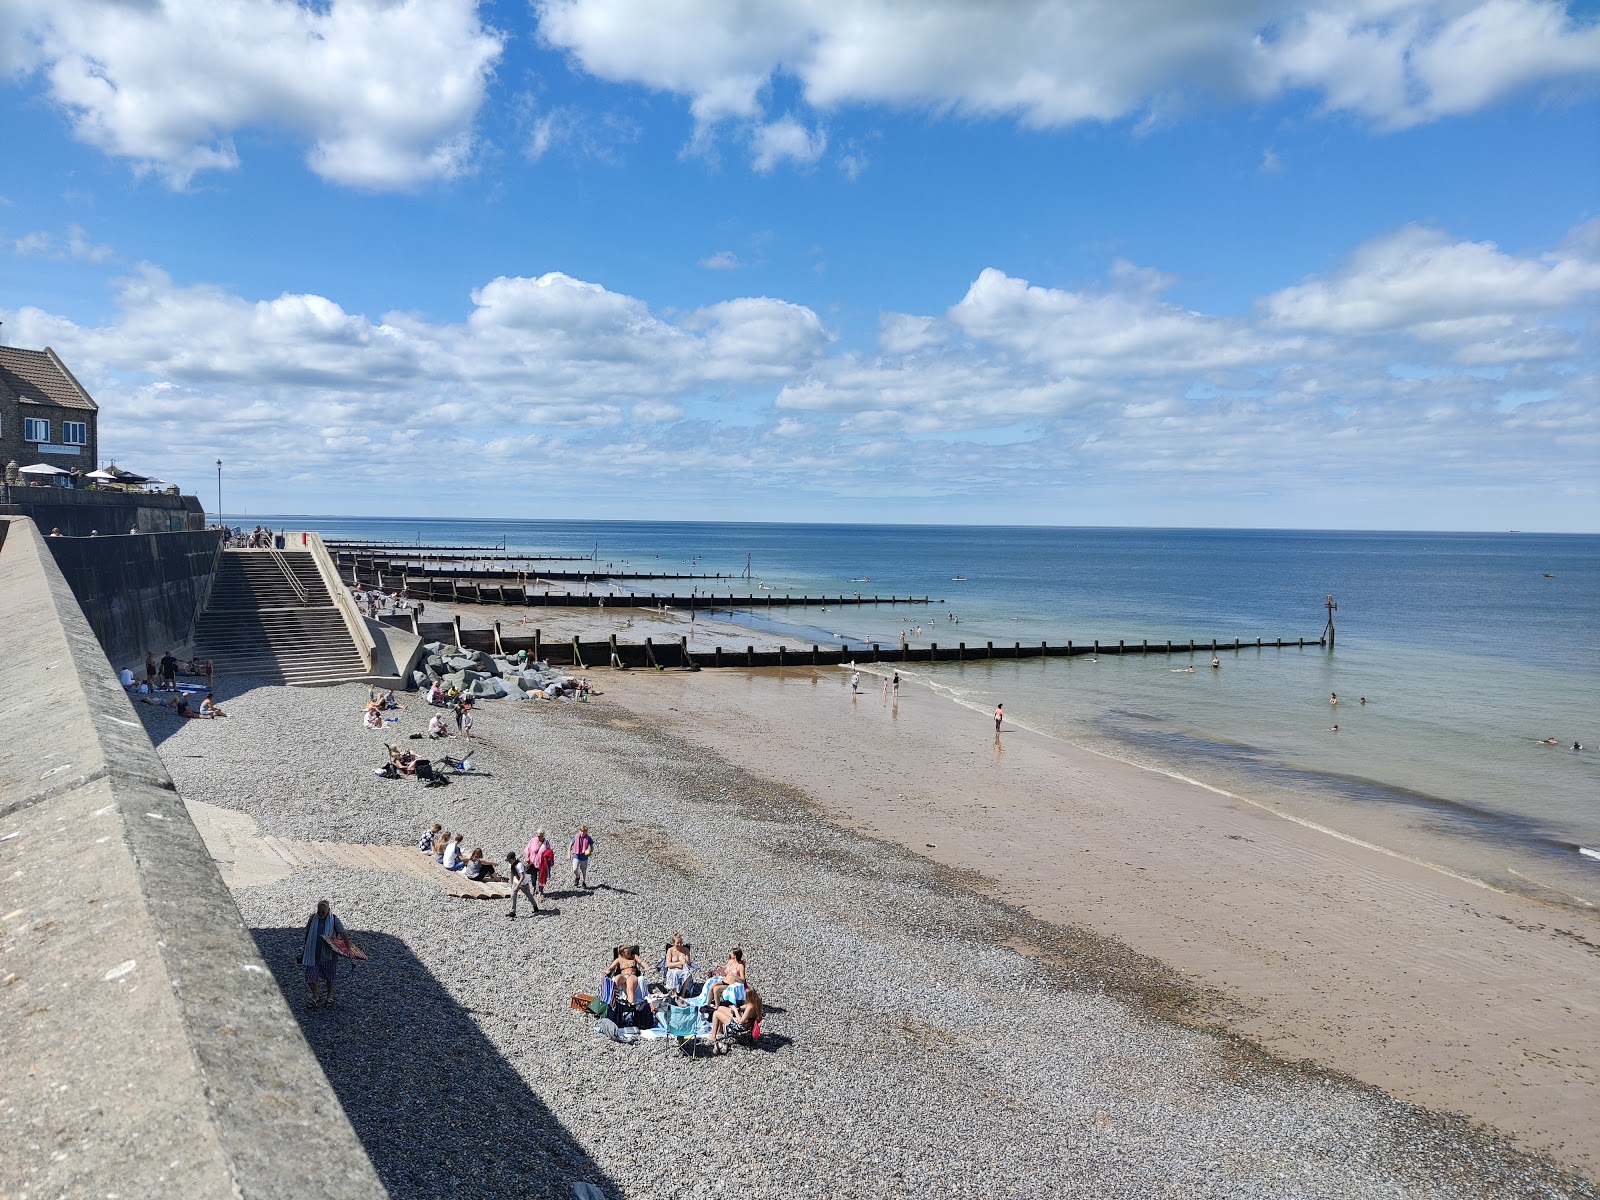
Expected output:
(1442, 992)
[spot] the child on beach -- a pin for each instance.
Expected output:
(426, 841)
(999, 715)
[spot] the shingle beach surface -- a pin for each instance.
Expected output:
(911, 1048)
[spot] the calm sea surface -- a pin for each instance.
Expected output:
(1470, 649)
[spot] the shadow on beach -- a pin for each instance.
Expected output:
(433, 1101)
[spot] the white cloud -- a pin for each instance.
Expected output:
(1380, 372)
(1404, 63)
(1051, 63)
(386, 93)
(902, 333)
(786, 140)
(1417, 278)
(656, 412)
(722, 260)
(74, 246)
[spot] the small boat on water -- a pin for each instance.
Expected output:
(958, 578)
(863, 579)
(1547, 575)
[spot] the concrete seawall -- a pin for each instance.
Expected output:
(78, 512)
(147, 1050)
(140, 592)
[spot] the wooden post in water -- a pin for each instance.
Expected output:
(1332, 607)
(813, 654)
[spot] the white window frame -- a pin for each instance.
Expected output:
(67, 429)
(30, 429)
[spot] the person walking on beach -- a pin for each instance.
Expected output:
(582, 848)
(316, 955)
(895, 684)
(521, 884)
(466, 721)
(999, 715)
(541, 856)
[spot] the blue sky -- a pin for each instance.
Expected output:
(1243, 263)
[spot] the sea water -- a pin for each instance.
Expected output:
(1470, 650)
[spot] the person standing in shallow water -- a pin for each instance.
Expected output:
(999, 715)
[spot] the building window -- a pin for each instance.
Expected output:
(75, 433)
(35, 429)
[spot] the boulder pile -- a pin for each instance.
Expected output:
(486, 676)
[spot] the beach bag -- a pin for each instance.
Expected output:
(644, 1016)
(598, 1006)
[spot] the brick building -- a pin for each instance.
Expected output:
(45, 415)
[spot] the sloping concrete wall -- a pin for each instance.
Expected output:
(140, 592)
(145, 1050)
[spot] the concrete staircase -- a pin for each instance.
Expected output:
(270, 616)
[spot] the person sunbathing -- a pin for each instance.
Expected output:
(740, 1018)
(208, 707)
(728, 974)
(436, 727)
(677, 964)
(372, 719)
(629, 974)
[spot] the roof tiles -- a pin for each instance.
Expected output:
(40, 377)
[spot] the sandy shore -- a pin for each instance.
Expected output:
(1443, 993)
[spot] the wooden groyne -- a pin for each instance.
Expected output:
(353, 551)
(575, 652)
(390, 575)
(466, 591)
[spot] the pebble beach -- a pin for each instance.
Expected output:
(921, 1038)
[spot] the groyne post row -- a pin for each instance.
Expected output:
(452, 591)
(153, 1053)
(574, 652)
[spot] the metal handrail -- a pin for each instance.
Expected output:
(288, 573)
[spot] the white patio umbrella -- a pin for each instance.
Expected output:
(102, 474)
(44, 469)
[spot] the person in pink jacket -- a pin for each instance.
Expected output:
(541, 856)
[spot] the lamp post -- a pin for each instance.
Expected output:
(219, 491)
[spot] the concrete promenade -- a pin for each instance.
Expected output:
(147, 1050)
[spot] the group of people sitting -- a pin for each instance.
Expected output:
(377, 704)
(725, 1004)
(447, 852)
(179, 703)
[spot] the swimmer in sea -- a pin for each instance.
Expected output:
(1363, 699)
(1335, 729)
(1549, 742)
(1333, 697)
(1216, 663)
